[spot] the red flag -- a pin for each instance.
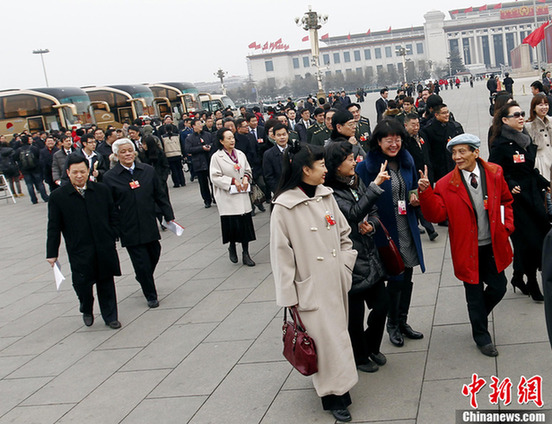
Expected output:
(349, 36)
(389, 30)
(469, 9)
(498, 6)
(325, 36)
(482, 8)
(265, 47)
(542, 1)
(368, 32)
(252, 45)
(536, 36)
(454, 12)
(305, 38)
(278, 41)
(257, 47)
(286, 47)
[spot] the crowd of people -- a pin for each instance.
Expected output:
(339, 193)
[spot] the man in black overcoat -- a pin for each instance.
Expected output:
(136, 190)
(84, 212)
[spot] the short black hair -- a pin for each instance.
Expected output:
(383, 90)
(195, 121)
(239, 121)
(74, 158)
(353, 104)
(318, 111)
(537, 85)
(279, 126)
(86, 137)
(386, 127)
(134, 128)
(249, 116)
(410, 117)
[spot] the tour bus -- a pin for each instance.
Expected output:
(175, 98)
(43, 109)
(119, 104)
(213, 102)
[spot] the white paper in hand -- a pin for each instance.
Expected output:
(174, 226)
(58, 275)
(234, 190)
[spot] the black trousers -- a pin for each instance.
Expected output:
(480, 300)
(400, 295)
(107, 298)
(424, 223)
(367, 341)
(144, 258)
(332, 402)
(177, 175)
(204, 186)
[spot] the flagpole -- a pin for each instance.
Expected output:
(536, 26)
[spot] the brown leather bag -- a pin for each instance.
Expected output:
(390, 255)
(299, 347)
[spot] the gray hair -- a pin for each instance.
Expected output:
(117, 145)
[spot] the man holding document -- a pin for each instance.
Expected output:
(84, 212)
(476, 200)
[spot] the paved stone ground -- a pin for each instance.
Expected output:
(211, 353)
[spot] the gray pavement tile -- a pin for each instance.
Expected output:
(396, 385)
(519, 320)
(262, 256)
(44, 337)
(247, 321)
(7, 341)
(8, 364)
(296, 380)
(451, 306)
(246, 277)
(245, 386)
(115, 398)
(82, 378)
(144, 329)
(264, 292)
(14, 291)
(448, 279)
(299, 406)
(61, 356)
(203, 257)
(171, 347)
(190, 293)
(44, 414)
(268, 346)
(216, 306)
(17, 390)
(175, 410)
(219, 268)
(30, 321)
(453, 354)
(425, 289)
(203, 370)
(17, 308)
(440, 400)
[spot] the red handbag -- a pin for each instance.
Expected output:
(390, 255)
(299, 347)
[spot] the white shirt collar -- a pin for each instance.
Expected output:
(476, 171)
(127, 168)
(281, 148)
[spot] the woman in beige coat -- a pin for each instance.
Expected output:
(230, 174)
(539, 128)
(312, 261)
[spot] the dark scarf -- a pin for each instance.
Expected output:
(350, 182)
(521, 138)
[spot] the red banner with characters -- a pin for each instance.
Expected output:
(522, 12)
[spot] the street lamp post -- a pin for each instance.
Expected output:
(403, 51)
(220, 74)
(42, 52)
(312, 22)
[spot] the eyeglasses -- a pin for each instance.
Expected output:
(516, 115)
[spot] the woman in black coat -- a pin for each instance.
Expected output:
(357, 203)
(512, 149)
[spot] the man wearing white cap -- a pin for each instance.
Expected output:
(475, 198)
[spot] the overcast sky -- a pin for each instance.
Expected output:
(135, 41)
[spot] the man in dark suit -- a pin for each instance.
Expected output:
(136, 190)
(46, 159)
(304, 124)
(381, 104)
(257, 130)
(60, 158)
(198, 144)
(84, 212)
(272, 161)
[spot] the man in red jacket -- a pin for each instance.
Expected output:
(475, 198)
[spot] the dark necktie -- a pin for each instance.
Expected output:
(473, 180)
(81, 191)
(131, 171)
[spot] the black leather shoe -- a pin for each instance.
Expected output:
(410, 333)
(378, 358)
(433, 235)
(342, 415)
(153, 303)
(207, 205)
(113, 324)
(233, 255)
(488, 350)
(395, 336)
(369, 366)
(88, 319)
(247, 260)
(261, 207)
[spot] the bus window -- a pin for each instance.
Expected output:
(35, 123)
(125, 115)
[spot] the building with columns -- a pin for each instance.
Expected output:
(483, 36)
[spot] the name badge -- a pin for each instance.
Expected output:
(486, 204)
(401, 206)
(330, 218)
(260, 140)
(237, 166)
(519, 158)
(134, 184)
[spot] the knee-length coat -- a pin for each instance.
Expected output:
(312, 262)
